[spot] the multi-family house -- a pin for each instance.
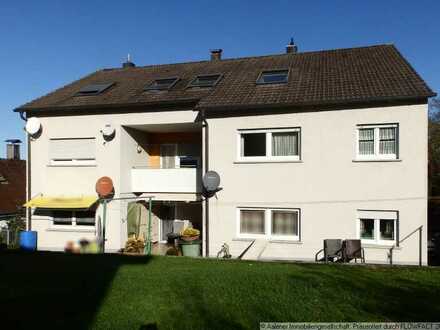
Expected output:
(308, 146)
(12, 182)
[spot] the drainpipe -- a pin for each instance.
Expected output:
(206, 169)
(28, 175)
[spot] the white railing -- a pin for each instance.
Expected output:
(168, 180)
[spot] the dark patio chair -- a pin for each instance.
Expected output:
(352, 249)
(332, 250)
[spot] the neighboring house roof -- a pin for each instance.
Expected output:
(12, 185)
(365, 74)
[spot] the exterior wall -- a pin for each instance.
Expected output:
(114, 159)
(327, 184)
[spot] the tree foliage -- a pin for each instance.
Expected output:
(15, 226)
(434, 147)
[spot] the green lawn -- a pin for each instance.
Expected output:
(123, 292)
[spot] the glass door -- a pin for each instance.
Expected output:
(168, 156)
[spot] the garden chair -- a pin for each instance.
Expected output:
(352, 249)
(332, 250)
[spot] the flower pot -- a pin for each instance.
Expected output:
(191, 248)
(190, 238)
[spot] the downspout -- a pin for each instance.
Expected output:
(206, 168)
(28, 175)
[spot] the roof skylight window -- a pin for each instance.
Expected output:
(205, 80)
(273, 77)
(161, 84)
(94, 89)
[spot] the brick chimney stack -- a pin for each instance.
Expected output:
(291, 48)
(128, 63)
(13, 149)
(216, 54)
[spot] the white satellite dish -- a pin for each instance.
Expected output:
(33, 126)
(108, 132)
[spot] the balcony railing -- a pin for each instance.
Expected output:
(166, 180)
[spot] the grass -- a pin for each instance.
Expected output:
(122, 292)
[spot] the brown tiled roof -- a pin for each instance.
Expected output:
(12, 185)
(339, 76)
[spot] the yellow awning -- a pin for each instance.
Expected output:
(84, 202)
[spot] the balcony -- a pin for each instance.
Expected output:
(166, 180)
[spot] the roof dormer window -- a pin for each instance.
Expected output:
(94, 89)
(161, 84)
(273, 77)
(205, 80)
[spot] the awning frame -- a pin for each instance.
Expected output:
(61, 202)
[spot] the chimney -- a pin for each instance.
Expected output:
(13, 149)
(216, 54)
(128, 63)
(291, 48)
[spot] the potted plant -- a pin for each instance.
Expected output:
(190, 234)
(190, 243)
(134, 245)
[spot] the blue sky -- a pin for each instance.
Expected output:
(47, 44)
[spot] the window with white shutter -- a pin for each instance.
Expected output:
(73, 218)
(77, 151)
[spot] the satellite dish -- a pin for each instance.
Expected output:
(33, 126)
(108, 132)
(211, 183)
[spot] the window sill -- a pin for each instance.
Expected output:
(379, 246)
(72, 229)
(72, 165)
(281, 241)
(380, 160)
(285, 241)
(268, 161)
(240, 239)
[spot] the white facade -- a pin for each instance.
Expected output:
(115, 159)
(326, 183)
(329, 185)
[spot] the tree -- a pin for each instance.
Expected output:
(434, 147)
(15, 226)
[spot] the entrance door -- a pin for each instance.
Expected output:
(168, 156)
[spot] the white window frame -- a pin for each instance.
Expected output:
(376, 231)
(268, 157)
(268, 224)
(377, 155)
(73, 224)
(73, 161)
